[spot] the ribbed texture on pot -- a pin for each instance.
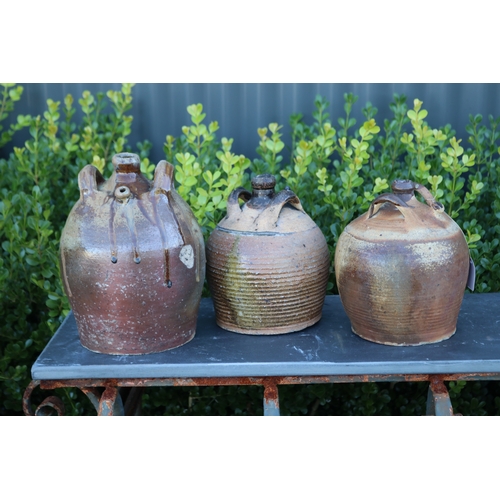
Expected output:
(390, 324)
(267, 284)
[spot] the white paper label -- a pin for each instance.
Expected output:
(187, 256)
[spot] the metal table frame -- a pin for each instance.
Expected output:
(325, 353)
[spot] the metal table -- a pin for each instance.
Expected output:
(327, 352)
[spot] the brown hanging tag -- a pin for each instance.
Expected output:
(472, 275)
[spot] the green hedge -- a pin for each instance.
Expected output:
(336, 167)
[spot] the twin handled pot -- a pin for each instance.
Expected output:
(402, 269)
(132, 260)
(267, 263)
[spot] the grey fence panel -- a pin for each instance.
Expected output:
(241, 108)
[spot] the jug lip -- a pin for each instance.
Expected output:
(263, 182)
(126, 163)
(403, 186)
(262, 191)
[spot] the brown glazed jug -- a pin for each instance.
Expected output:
(267, 263)
(132, 260)
(402, 268)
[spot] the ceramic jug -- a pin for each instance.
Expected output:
(402, 269)
(132, 260)
(267, 263)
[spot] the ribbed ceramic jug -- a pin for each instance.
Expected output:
(132, 260)
(402, 269)
(267, 263)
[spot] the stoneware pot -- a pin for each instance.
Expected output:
(132, 260)
(267, 263)
(402, 268)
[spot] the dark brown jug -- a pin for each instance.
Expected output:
(132, 260)
(402, 268)
(267, 263)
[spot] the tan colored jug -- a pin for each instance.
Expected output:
(402, 268)
(132, 260)
(267, 263)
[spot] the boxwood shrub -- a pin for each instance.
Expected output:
(335, 165)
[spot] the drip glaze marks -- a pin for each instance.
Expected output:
(121, 307)
(167, 269)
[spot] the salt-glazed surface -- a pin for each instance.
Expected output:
(267, 263)
(402, 268)
(132, 260)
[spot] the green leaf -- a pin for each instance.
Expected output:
(412, 115)
(47, 273)
(190, 181)
(422, 114)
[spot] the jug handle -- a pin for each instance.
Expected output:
(89, 180)
(164, 177)
(272, 212)
(387, 198)
(399, 203)
(163, 183)
(233, 206)
(429, 199)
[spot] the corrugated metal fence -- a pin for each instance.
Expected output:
(160, 109)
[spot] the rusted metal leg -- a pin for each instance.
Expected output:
(132, 397)
(271, 400)
(28, 411)
(94, 396)
(110, 403)
(438, 399)
(47, 407)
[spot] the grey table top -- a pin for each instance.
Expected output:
(327, 348)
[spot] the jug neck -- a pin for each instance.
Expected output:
(262, 191)
(404, 189)
(128, 175)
